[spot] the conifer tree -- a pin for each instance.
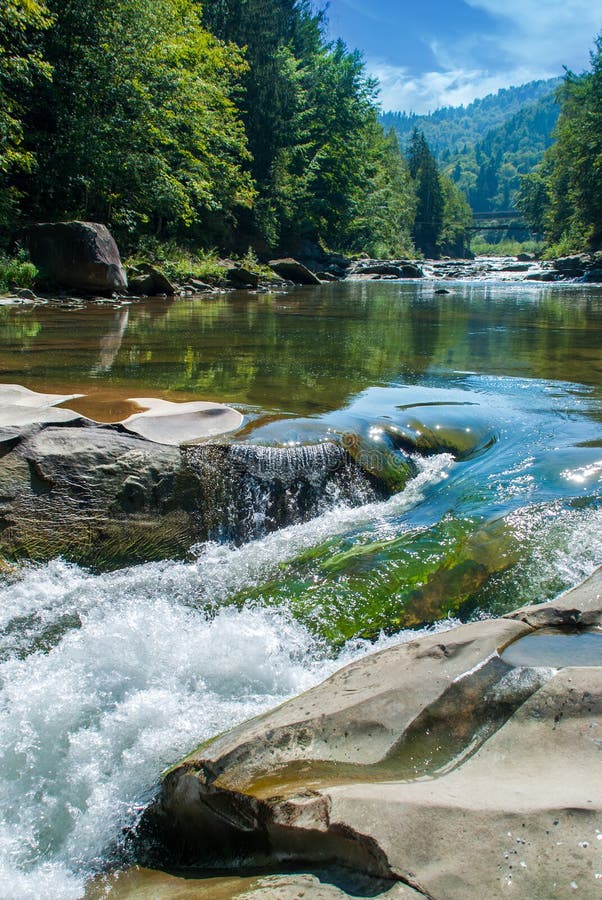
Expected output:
(429, 194)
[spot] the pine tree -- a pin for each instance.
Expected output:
(430, 200)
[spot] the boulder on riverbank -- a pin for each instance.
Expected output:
(393, 269)
(436, 763)
(294, 271)
(79, 255)
(148, 281)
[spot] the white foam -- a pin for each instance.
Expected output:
(87, 726)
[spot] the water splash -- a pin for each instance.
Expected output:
(86, 727)
(249, 490)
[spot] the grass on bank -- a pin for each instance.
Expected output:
(481, 247)
(16, 272)
(180, 264)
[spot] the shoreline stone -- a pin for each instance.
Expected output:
(432, 762)
(77, 255)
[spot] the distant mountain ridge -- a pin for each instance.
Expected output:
(489, 171)
(452, 129)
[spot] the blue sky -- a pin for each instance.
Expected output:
(431, 53)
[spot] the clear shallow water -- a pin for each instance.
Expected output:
(107, 678)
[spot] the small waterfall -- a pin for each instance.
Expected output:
(249, 490)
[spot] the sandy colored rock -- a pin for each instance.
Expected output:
(581, 606)
(142, 884)
(522, 813)
(360, 714)
(170, 423)
(434, 762)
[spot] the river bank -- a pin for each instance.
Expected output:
(227, 275)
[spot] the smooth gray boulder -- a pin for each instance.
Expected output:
(78, 255)
(434, 762)
(94, 495)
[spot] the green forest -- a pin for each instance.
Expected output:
(228, 123)
(451, 130)
(236, 124)
(562, 198)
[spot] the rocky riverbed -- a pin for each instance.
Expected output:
(322, 268)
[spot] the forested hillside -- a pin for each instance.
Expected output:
(231, 123)
(563, 197)
(453, 129)
(489, 172)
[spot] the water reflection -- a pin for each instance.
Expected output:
(110, 344)
(307, 351)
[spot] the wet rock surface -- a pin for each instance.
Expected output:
(434, 763)
(142, 884)
(93, 494)
(101, 495)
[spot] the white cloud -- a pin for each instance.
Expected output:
(532, 40)
(554, 32)
(456, 87)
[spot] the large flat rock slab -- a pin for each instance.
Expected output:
(20, 407)
(435, 762)
(524, 813)
(170, 423)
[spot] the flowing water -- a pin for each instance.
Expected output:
(107, 677)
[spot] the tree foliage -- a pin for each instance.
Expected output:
(564, 196)
(228, 123)
(138, 127)
(21, 65)
(430, 206)
(453, 130)
(489, 172)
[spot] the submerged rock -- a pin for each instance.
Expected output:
(434, 762)
(78, 255)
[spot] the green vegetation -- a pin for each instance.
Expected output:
(16, 272)
(563, 197)
(442, 213)
(505, 247)
(453, 130)
(230, 124)
(20, 66)
(489, 173)
(483, 150)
